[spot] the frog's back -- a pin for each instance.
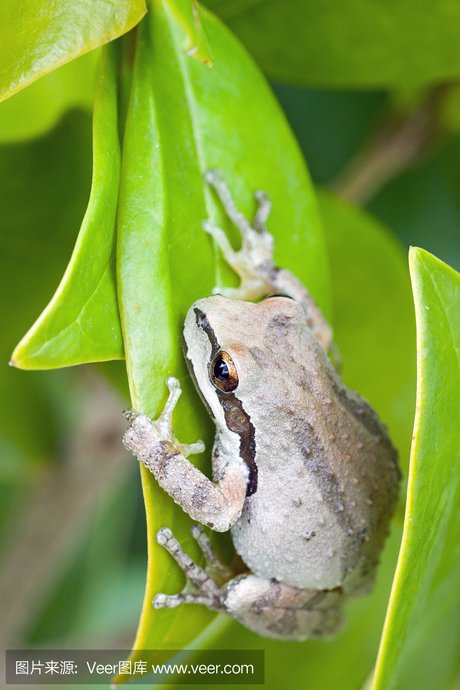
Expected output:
(327, 475)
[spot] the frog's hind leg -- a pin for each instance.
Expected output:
(273, 609)
(268, 607)
(254, 262)
(201, 587)
(214, 179)
(264, 206)
(213, 563)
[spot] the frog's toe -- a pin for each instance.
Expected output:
(198, 579)
(166, 601)
(231, 293)
(163, 535)
(191, 448)
(130, 415)
(213, 562)
(171, 601)
(264, 206)
(212, 176)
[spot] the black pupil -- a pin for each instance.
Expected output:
(221, 370)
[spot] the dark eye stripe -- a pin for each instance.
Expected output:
(238, 420)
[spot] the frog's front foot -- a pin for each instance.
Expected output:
(153, 442)
(254, 261)
(201, 586)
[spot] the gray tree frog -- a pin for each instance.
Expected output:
(304, 474)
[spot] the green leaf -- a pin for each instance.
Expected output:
(373, 314)
(70, 86)
(196, 45)
(183, 119)
(44, 188)
(81, 323)
(372, 306)
(348, 44)
(422, 632)
(37, 37)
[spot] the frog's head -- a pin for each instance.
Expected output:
(215, 337)
(230, 345)
(207, 332)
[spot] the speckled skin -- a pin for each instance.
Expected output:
(325, 466)
(304, 474)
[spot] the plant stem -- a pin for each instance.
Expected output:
(394, 147)
(55, 510)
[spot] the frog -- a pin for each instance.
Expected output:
(304, 474)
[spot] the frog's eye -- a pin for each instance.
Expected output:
(223, 372)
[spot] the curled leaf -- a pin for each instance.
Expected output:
(81, 323)
(423, 619)
(37, 37)
(183, 119)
